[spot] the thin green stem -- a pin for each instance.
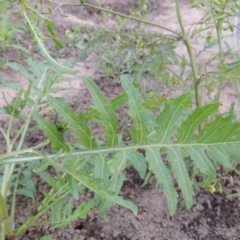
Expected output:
(190, 54)
(4, 219)
(15, 153)
(9, 168)
(13, 205)
(221, 55)
(108, 150)
(35, 100)
(121, 15)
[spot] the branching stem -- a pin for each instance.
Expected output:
(121, 15)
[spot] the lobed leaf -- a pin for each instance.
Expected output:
(73, 186)
(118, 162)
(168, 119)
(163, 177)
(60, 212)
(114, 187)
(51, 132)
(220, 155)
(138, 161)
(114, 183)
(105, 110)
(171, 132)
(186, 134)
(89, 183)
(116, 166)
(136, 111)
(83, 210)
(203, 163)
(181, 174)
(101, 169)
(220, 130)
(75, 123)
(106, 194)
(116, 103)
(220, 138)
(65, 214)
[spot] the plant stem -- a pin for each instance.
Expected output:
(121, 15)
(9, 168)
(219, 36)
(190, 54)
(96, 151)
(4, 219)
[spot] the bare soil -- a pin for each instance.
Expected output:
(213, 215)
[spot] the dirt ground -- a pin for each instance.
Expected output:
(213, 216)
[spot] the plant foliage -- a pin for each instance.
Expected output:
(176, 144)
(175, 138)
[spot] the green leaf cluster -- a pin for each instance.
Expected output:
(177, 135)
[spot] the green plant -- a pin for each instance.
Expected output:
(132, 53)
(8, 34)
(194, 137)
(172, 131)
(17, 177)
(154, 54)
